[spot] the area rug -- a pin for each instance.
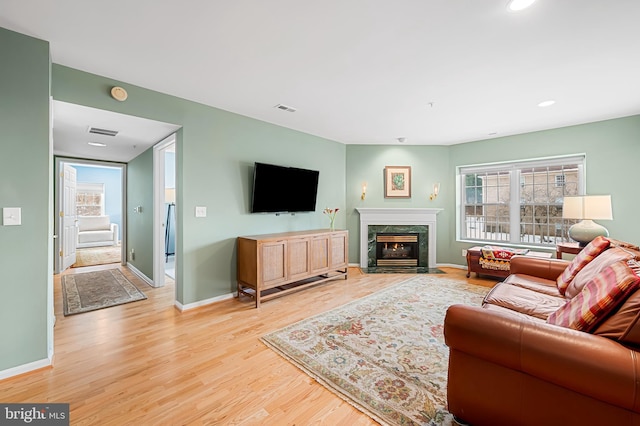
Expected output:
(92, 256)
(385, 353)
(90, 291)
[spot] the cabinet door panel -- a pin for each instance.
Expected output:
(339, 251)
(299, 251)
(320, 254)
(274, 267)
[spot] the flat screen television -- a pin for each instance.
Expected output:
(279, 189)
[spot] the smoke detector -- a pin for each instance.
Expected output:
(119, 94)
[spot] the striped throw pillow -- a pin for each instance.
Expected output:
(598, 298)
(594, 248)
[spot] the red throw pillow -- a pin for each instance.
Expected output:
(598, 298)
(594, 248)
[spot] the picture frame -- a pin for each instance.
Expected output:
(397, 182)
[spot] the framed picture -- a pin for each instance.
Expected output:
(397, 182)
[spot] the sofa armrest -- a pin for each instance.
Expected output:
(538, 267)
(591, 365)
(114, 230)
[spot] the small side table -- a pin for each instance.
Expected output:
(569, 248)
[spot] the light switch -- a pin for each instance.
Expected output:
(11, 216)
(201, 211)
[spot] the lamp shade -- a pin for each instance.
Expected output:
(593, 207)
(170, 195)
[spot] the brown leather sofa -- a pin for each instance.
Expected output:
(508, 366)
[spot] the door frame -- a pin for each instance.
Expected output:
(58, 202)
(159, 213)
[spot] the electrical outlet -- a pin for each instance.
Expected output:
(464, 252)
(132, 255)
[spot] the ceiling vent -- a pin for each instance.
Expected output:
(285, 108)
(105, 132)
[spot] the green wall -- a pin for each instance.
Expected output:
(215, 152)
(612, 148)
(429, 165)
(140, 222)
(25, 182)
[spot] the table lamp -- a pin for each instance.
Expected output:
(587, 208)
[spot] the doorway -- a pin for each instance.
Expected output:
(91, 220)
(165, 213)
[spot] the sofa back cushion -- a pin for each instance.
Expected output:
(94, 223)
(624, 323)
(599, 297)
(623, 244)
(593, 249)
(593, 268)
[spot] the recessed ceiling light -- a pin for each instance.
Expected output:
(546, 103)
(516, 5)
(100, 144)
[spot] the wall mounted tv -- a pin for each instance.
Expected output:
(279, 189)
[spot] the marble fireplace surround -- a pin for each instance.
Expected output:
(397, 216)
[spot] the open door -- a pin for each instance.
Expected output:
(68, 219)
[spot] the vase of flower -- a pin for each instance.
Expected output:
(332, 216)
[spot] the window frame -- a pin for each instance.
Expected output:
(91, 188)
(513, 168)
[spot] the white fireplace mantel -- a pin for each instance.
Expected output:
(397, 216)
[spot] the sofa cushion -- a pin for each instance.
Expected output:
(94, 223)
(593, 249)
(598, 297)
(95, 236)
(593, 268)
(624, 323)
(522, 300)
(541, 285)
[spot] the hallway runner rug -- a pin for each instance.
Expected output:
(90, 291)
(384, 353)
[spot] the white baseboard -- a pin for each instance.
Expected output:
(140, 275)
(25, 368)
(451, 265)
(205, 302)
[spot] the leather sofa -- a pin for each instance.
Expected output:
(509, 366)
(96, 231)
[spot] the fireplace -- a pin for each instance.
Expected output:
(397, 249)
(421, 221)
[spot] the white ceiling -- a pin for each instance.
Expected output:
(361, 71)
(71, 135)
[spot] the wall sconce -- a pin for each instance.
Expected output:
(364, 190)
(436, 191)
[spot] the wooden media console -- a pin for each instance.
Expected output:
(276, 264)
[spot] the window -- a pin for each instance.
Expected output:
(90, 199)
(518, 202)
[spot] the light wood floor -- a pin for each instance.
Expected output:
(145, 363)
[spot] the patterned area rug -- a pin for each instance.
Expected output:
(90, 291)
(92, 256)
(385, 353)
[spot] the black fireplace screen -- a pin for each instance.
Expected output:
(396, 249)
